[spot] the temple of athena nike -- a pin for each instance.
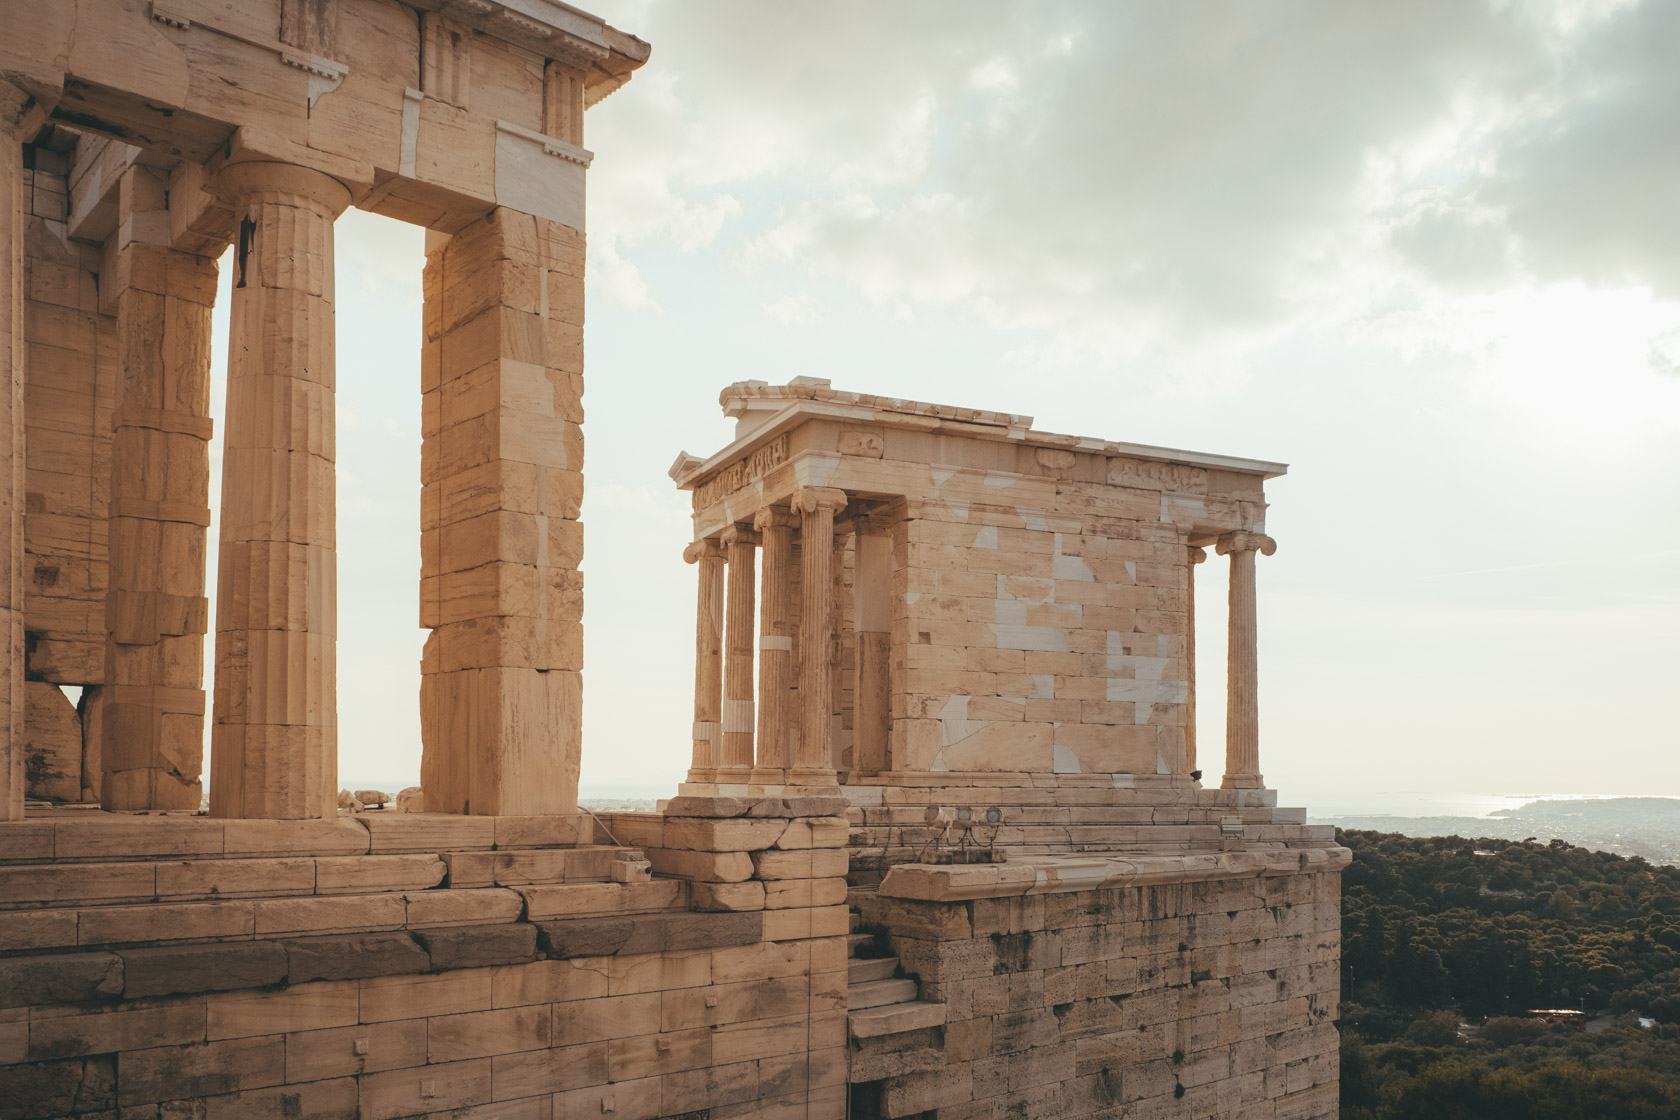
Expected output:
(951, 845)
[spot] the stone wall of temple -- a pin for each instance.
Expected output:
(416, 965)
(1191, 999)
(69, 394)
(68, 398)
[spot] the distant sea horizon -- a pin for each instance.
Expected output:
(1320, 805)
(1369, 803)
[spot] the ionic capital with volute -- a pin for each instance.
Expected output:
(739, 533)
(775, 517)
(809, 499)
(708, 549)
(1245, 542)
(1197, 555)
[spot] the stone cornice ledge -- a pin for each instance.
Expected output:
(1062, 874)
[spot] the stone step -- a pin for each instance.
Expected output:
(852, 921)
(879, 993)
(855, 941)
(859, 970)
(894, 1018)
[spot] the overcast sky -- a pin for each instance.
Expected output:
(1427, 253)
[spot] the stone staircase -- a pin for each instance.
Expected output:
(891, 1031)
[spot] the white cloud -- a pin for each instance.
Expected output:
(795, 309)
(1130, 179)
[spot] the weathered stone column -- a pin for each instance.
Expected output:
(741, 544)
(501, 542)
(19, 117)
(775, 645)
(872, 607)
(707, 556)
(1242, 682)
(152, 725)
(274, 743)
(813, 765)
(1195, 556)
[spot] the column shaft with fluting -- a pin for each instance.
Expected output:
(741, 544)
(775, 645)
(274, 741)
(1242, 679)
(156, 611)
(814, 763)
(707, 557)
(1196, 556)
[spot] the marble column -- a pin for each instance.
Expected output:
(152, 724)
(707, 556)
(1242, 678)
(775, 646)
(742, 545)
(20, 116)
(274, 742)
(813, 765)
(1195, 556)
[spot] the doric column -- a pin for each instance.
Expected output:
(872, 624)
(775, 644)
(274, 744)
(19, 117)
(1242, 676)
(1195, 556)
(707, 557)
(741, 544)
(813, 765)
(155, 612)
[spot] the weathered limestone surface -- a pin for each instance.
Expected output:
(20, 114)
(275, 738)
(501, 467)
(70, 390)
(407, 995)
(152, 722)
(1212, 998)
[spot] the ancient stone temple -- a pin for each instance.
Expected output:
(983, 635)
(945, 848)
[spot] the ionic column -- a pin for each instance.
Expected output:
(274, 743)
(707, 556)
(775, 645)
(813, 765)
(152, 749)
(20, 116)
(872, 626)
(1242, 678)
(1196, 556)
(837, 626)
(741, 544)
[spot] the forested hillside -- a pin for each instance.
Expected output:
(1439, 931)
